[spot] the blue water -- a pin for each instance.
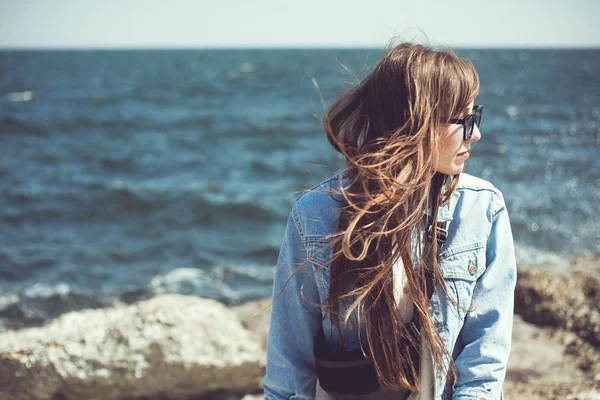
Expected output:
(124, 174)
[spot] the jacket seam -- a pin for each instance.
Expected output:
(330, 179)
(297, 222)
(460, 249)
(497, 212)
(477, 189)
(318, 238)
(480, 393)
(300, 230)
(497, 193)
(501, 207)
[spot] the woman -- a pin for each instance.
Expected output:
(356, 280)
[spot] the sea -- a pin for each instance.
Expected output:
(128, 174)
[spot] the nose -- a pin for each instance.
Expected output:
(476, 134)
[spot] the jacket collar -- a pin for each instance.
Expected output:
(444, 213)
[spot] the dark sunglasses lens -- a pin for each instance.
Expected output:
(469, 122)
(479, 117)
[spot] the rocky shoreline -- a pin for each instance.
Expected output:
(185, 347)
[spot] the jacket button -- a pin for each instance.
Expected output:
(472, 269)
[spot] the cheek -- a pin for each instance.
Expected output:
(449, 145)
(447, 150)
(451, 142)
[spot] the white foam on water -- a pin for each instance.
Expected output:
(258, 272)
(187, 280)
(41, 289)
(18, 97)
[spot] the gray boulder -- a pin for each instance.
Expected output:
(169, 346)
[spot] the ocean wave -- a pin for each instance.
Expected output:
(253, 273)
(207, 212)
(124, 200)
(86, 122)
(262, 137)
(133, 124)
(205, 121)
(37, 304)
(41, 302)
(14, 125)
(260, 166)
(194, 281)
(201, 91)
(263, 253)
(129, 198)
(42, 211)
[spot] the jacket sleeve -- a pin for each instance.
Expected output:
(486, 334)
(290, 368)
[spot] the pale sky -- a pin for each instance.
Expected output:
(296, 23)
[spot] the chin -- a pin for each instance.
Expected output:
(451, 170)
(457, 170)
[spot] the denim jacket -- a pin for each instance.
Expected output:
(477, 262)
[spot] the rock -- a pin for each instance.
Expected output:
(562, 297)
(255, 316)
(541, 367)
(556, 358)
(173, 344)
(253, 397)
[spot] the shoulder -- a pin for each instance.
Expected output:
(474, 206)
(470, 182)
(479, 190)
(318, 208)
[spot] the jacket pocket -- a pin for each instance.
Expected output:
(461, 267)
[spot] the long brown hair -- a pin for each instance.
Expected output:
(388, 127)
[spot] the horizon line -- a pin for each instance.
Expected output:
(294, 47)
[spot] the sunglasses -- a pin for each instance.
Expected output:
(469, 121)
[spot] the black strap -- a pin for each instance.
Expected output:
(442, 235)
